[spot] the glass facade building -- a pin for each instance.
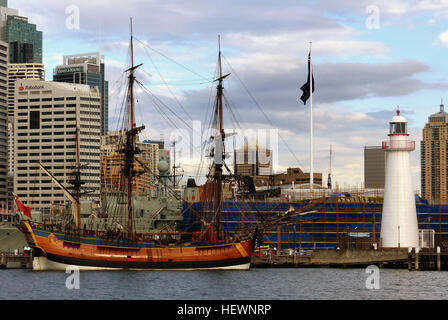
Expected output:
(25, 41)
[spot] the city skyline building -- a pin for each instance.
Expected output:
(87, 68)
(3, 123)
(433, 155)
(45, 125)
(25, 41)
(25, 49)
(374, 167)
(253, 160)
(16, 72)
(111, 160)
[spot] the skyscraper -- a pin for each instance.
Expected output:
(18, 71)
(45, 122)
(3, 122)
(374, 167)
(434, 163)
(253, 160)
(87, 68)
(25, 41)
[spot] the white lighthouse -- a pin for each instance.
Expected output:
(399, 228)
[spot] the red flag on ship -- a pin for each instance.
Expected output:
(26, 210)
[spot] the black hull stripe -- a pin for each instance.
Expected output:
(149, 265)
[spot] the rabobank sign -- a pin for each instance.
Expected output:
(35, 87)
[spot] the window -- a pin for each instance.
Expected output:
(34, 119)
(398, 127)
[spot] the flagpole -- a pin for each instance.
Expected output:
(311, 120)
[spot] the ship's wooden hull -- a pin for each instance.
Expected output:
(93, 252)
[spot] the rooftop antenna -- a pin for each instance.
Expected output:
(442, 107)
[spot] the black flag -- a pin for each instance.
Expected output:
(306, 87)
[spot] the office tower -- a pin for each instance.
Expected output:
(253, 160)
(434, 156)
(374, 167)
(16, 72)
(3, 123)
(25, 41)
(87, 68)
(45, 125)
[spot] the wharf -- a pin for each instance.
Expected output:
(433, 259)
(393, 258)
(15, 261)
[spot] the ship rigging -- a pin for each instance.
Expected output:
(123, 247)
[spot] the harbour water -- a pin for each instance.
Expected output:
(257, 284)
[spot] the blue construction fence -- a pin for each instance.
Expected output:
(324, 227)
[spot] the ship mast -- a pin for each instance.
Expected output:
(130, 149)
(220, 152)
(77, 181)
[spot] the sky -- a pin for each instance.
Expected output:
(368, 57)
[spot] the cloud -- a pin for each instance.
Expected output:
(335, 82)
(442, 39)
(266, 46)
(348, 131)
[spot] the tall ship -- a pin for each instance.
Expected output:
(118, 244)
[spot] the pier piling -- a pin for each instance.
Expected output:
(15, 261)
(410, 259)
(417, 258)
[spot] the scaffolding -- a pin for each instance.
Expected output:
(350, 218)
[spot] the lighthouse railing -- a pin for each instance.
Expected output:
(399, 145)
